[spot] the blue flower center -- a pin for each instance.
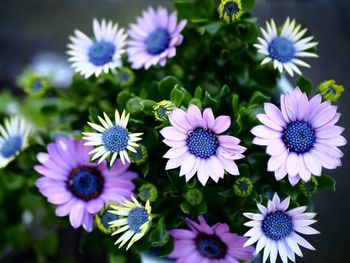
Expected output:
(100, 53)
(211, 246)
(231, 8)
(299, 137)
(115, 139)
(37, 85)
(282, 49)
(277, 225)
(202, 143)
(157, 41)
(161, 111)
(85, 183)
(123, 77)
(11, 146)
(136, 218)
(331, 90)
(107, 217)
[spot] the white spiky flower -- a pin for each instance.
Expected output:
(112, 138)
(13, 139)
(284, 48)
(101, 54)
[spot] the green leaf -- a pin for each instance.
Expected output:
(305, 85)
(166, 86)
(177, 95)
(159, 236)
(122, 98)
(198, 93)
(209, 101)
(185, 207)
(148, 106)
(134, 105)
(244, 170)
(258, 98)
(248, 4)
(213, 28)
(326, 182)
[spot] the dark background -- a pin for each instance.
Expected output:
(29, 27)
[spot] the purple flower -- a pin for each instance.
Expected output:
(301, 137)
(204, 243)
(274, 228)
(197, 146)
(78, 187)
(154, 38)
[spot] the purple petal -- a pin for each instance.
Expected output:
(179, 120)
(65, 209)
(216, 166)
(77, 213)
(281, 172)
(187, 164)
(176, 162)
(329, 132)
(276, 162)
(304, 172)
(324, 116)
(264, 132)
(173, 134)
(172, 22)
(49, 173)
(94, 206)
(229, 166)
(175, 152)
(208, 117)
(274, 114)
(182, 234)
(88, 222)
(222, 123)
(293, 164)
(175, 143)
(202, 172)
(275, 147)
(264, 119)
(312, 163)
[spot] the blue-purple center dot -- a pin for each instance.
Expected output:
(231, 8)
(202, 143)
(277, 225)
(107, 217)
(157, 41)
(101, 53)
(211, 246)
(115, 139)
(299, 136)
(11, 146)
(281, 49)
(136, 218)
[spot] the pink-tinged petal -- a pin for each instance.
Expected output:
(302, 105)
(229, 166)
(262, 209)
(179, 120)
(291, 106)
(208, 117)
(182, 248)
(316, 110)
(276, 162)
(324, 116)
(296, 211)
(283, 109)
(49, 173)
(294, 179)
(221, 229)
(202, 173)
(312, 163)
(337, 141)
(182, 234)
(94, 206)
(222, 123)
(64, 209)
(194, 169)
(77, 213)
(173, 134)
(172, 22)
(193, 111)
(281, 172)
(271, 206)
(284, 204)
(294, 246)
(216, 166)
(187, 164)
(273, 253)
(276, 200)
(261, 141)
(301, 241)
(275, 114)
(329, 149)
(265, 132)
(176, 162)
(264, 119)
(175, 143)
(333, 121)
(282, 251)
(180, 27)
(62, 161)
(327, 161)
(88, 222)
(227, 140)
(304, 172)
(313, 104)
(293, 164)
(329, 132)
(175, 152)
(276, 147)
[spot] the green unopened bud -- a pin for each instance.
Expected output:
(140, 156)
(194, 196)
(148, 192)
(103, 218)
(330, 90)
(230, 10)
(310, 187)
(162, 109)
(33, 83)
(243, 187)
(125, 77)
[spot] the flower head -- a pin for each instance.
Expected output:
(125, 77)
(330, 90)
(285, 48)
(154, 38)
(148, 192)
(103, 218)
(230, 10)
(243, 187)
(112, 138)
(204, 243)
(275, 229)
(140, 156)
(162, 109)
(197, 146)
(301, 137)
(78, 187)
(134, 222)
(33, 83)
(101, 54)
(13, 139)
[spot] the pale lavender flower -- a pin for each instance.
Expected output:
(301, 137)
(209, 244)
(154, 38)
(78, 187)
(275, 229)
(197, 146)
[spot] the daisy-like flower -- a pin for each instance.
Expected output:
(101, 54)
(330, 90)
(78, 187)
(134, 221)
(243, 187)
(230, 10)
(274, 228)
(204, 243)
(162, 109)
(197, 147)
(301, 137)
(154, 38)
(112, 138)
(284, 49)
(13, 139)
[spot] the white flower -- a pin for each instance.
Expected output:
(285, 48)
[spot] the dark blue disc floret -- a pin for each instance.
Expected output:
(136, 218)
(202, 143)
(299, 136)
(115, 139)
(277, 225)
(282, 49)
(231, 8)
(157, 41)
(211, 246)
(101, 53)
(11, 146)
(85, 183)
(107, 217)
